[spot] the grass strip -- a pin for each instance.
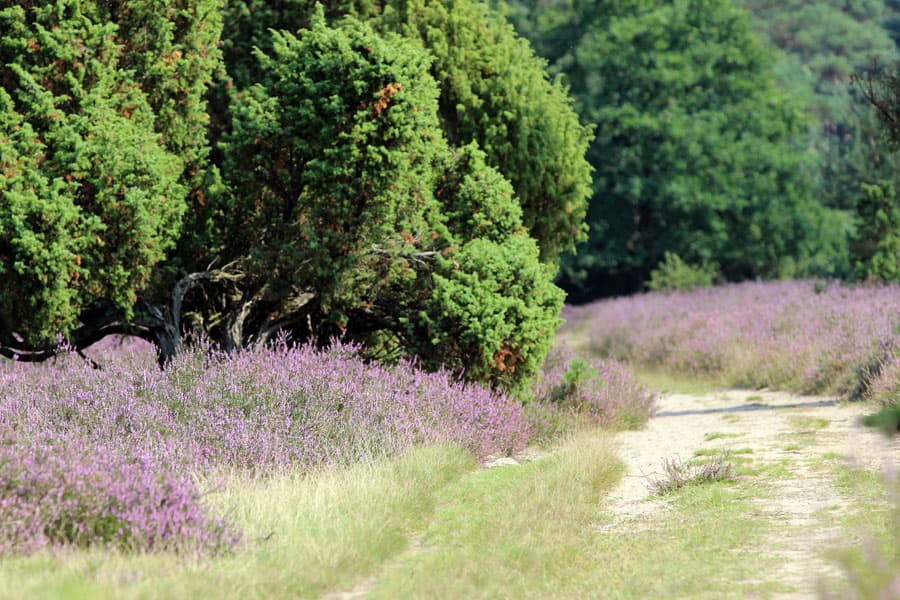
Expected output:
(307, 534)
(543, 530)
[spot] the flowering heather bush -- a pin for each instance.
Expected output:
(790, 334)
(140, 432)
(572, 392)
(62, 490)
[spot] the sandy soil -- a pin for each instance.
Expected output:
(780, 428)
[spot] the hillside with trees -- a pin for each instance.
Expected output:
(667, 104)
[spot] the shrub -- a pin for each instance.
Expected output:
(72, 490)
(105, 456)
(679, 474)
(778, 334)
(672, 273)
(405, 179)
(573, 392)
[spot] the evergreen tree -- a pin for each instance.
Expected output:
(496, 92)
(334, 187)
(876, 243)
(101, 136)
(345, 188)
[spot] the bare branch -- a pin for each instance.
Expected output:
(419, 257)
(82, 337)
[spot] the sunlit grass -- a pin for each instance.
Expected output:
(803, 422)
(669, 382)
(718, 451)
(543, 530)
(306, 535)
(718, 435)
(872, 564)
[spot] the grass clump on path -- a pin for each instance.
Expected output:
(679, 474)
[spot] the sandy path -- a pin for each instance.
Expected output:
(780, 428)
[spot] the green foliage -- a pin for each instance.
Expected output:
(876, 244)
(674, 274)
(345, 189)
(249, 25)
(578, 380)
(492, 310)
(698, 152)
(824, 45)
(495, 91)
(400, 174)
(887, 419)
(101, 132)
(330, 161)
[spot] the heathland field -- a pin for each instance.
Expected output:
(292, 472)
(283, 296)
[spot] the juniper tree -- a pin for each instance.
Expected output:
(102, 139)
(323, 195)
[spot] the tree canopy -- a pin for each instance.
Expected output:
(697, 150)
(821, 47)
(401, 176)
(102, 128)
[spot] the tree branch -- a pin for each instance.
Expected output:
(82, 337)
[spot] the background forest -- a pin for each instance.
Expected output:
(728, 133)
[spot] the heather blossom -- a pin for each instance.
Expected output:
(107, 456)
(572, 392)
(799, 335)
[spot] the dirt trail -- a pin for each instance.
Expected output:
(780, 428)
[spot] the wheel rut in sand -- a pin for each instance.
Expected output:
(785, 430)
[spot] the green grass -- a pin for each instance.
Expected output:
(674, 383)
(541, 531)
(746, 466)
(718, 435)
(718, 451)
(307, 535)
(753, 399)
(873, 518)
(538, 530)
(808, 423)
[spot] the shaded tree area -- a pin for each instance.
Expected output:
(402, 175)
(698, 150)
(877, 217)
(823, 45)
(102, 148)
(842, 57)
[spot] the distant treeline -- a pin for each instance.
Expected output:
(728, 133)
